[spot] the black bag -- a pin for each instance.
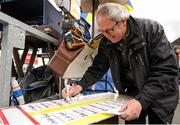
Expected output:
(38, 84)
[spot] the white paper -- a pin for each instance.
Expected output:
(16, 117)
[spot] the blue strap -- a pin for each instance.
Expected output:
(18, 93)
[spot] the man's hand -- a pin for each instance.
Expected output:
(73, 90)
(131, 109)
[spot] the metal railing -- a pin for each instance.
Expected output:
(13, 35)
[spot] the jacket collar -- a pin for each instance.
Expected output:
(135, 38)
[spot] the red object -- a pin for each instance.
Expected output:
(29, 116)
(28, 57)
(3, 118)
(179, 56)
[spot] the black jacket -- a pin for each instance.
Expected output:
(152, 61)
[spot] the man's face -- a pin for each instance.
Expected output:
(112, 30)
(177, 50)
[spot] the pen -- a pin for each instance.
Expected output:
(67, 90)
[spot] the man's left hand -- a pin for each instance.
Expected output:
(131, 110)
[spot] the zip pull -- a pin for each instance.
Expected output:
(140, 59)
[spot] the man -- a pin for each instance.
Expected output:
(142, 63)
(177, 51)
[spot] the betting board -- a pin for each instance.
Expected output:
(78, 110)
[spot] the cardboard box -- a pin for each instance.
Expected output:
(122, 2)
(86, 5)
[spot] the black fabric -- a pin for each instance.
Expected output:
(126, 72)
(38, 84)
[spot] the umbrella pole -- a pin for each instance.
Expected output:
(93, 17)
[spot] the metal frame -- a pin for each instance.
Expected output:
(14, 33)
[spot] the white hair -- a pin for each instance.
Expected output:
(113, 11)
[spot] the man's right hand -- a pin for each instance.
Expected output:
(73, 90)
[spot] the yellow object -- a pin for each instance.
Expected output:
(78, 110)
(129, 8)
(96, 41)
(45, 111)
(75, 8)
(89, 18)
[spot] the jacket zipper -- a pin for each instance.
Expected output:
(141, 61)
(132, 68)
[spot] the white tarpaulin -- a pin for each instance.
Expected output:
(165, 12)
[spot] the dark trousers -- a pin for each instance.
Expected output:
(152, 118)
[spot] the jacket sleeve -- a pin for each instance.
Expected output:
(96, 71)
(162, 78)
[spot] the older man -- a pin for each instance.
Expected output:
(142, 63)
